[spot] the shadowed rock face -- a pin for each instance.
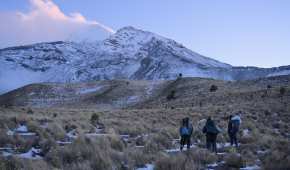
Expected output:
(128, 54)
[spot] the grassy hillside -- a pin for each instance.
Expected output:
(149, 114)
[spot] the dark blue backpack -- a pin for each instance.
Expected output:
(184, 131)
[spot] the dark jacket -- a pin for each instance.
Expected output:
(210, 127)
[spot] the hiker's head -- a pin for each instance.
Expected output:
(230, 117)
(209, 121)
(209, 118)
(185, 121)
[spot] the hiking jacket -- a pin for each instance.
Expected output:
(190, 129)
(238, 118)
(210, 127)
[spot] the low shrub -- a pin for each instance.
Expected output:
(97, 153)
(171, 95)
(249, 157)
(53, 157)
(282, 91)
(203, 156)
(56, 131)
(234, 160)
(30, 111)
(116, 142)
(213, 88)
(95, 118)
(158, 142)
(10, 163)
(136, 158)
(277, 160)
(4, 138)
(179, 161)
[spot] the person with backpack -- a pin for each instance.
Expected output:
(233, 128)
(185, 133)
(211, 131)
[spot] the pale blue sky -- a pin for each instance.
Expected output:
(238, 32)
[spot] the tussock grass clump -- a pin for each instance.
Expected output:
(249, 157)
(173, 132)
(203, 156)
(56, 131)
(85, 153)
(190, 160)
(265, 141)
(95, 118)
(234, 160)
(5, 139)
(116, 143)
(7, 123)
(158, 142)
(83, 150)
(279, 157)
(277, 160)
(179, 161)
(14, 163)
(10, 163)
(52, 157)
(136, 158)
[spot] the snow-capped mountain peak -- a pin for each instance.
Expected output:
(130, 53)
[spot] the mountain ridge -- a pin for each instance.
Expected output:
(130, 53)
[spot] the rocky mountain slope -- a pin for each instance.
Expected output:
(264, 93)
(128, 54)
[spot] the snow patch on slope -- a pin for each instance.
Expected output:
(280, 73)
(90, 90)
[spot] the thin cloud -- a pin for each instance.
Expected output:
(46, 22)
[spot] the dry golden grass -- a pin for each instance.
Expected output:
(263, 109)
(234, 160)
(189, 160)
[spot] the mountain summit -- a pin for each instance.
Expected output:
(130, 53)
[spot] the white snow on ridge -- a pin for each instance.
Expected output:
(90, 90)
(280, 73)
(121, 56)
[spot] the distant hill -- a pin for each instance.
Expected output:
(140, 94)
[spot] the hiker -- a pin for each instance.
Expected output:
(233, 128)
(185, 133)
(211, 131)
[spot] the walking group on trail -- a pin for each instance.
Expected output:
(211, 131)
